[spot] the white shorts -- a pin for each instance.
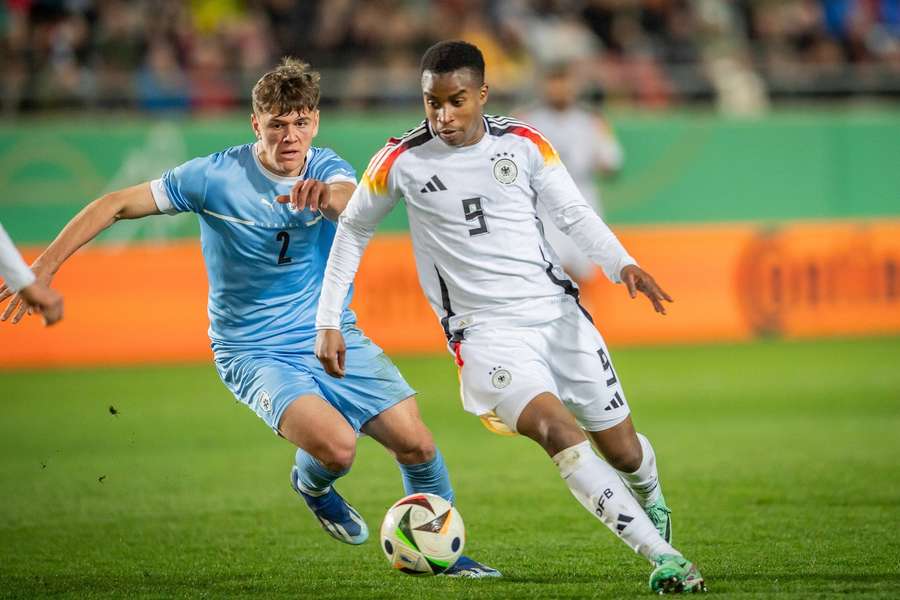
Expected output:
(503, 369)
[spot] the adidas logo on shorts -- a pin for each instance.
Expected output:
(617, 401)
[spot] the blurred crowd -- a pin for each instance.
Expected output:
(204, 55)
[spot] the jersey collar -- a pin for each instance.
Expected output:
(274, 176)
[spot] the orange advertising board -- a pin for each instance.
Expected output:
(137, 304)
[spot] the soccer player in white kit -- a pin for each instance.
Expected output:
(586, 145)
(529, 354)
(18, 278)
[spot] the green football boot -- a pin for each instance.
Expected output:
(661, 517)
(675, 574)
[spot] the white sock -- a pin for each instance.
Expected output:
(644, 482)
(598, 488)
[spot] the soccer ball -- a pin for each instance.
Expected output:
(422, 534)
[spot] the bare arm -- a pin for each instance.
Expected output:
(129, 203)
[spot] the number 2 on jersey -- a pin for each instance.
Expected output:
(285, 239)
(473, 211)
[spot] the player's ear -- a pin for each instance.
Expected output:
(483, 94)
(315, 123)
(254, 124)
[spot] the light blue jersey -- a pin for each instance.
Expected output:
(265, 264)
(264, 261)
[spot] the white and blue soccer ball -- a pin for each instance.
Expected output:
(422, 534)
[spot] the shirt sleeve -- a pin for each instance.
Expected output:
(331, 168)
(15, 273)
(182, 189)
(573, 216)
(369, 204)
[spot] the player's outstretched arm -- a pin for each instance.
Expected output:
(129, 203)
(330, 198)
(331, 351)
(638, 280)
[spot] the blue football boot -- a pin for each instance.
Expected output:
(470, 569)
(339, 520)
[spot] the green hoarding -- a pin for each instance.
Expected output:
(679, 168)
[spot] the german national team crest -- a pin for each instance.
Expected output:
(500, 377)
(505, 169)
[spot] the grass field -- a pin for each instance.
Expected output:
(781, 461)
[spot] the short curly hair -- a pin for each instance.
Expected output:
(289, 87)
(450, 55)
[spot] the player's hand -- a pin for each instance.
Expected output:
(37, 297)
(638, 280)
(310, 193)
(331, 351)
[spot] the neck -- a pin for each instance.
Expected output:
(476, 137)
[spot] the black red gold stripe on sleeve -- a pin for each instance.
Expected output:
(501, 126)
(376, 175)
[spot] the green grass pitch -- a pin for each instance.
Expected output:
(781, 461)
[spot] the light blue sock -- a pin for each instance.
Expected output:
(314, 478)
(431, 477)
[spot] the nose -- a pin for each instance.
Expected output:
(291, 134)
(445, 115)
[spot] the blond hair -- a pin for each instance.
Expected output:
(292, 86)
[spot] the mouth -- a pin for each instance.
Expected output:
(448, 134)
(289, 154)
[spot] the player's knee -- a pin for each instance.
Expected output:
(626, 459)
(416, 449)
(554, 435)
(338, 455)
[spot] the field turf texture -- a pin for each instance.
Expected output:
(781, 461)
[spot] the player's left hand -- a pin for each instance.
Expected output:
(331, 351)
(310, 193)
(638, 280)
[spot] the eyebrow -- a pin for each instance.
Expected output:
(284, 121)
(452, 96)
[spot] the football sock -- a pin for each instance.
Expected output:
(431, 477)
(597, 486)
(314, 478)
(645, 481)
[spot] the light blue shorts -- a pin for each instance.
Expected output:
(268, 381)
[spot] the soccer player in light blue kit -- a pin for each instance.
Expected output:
(267, 214)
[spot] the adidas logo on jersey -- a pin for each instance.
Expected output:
(434, 185)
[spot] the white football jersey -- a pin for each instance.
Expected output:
(480, 252)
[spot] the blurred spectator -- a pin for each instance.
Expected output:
(586, 144)
(161, 83)
(57, 54)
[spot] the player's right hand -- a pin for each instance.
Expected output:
(307, 193)
(37, 297)
(331, 351)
